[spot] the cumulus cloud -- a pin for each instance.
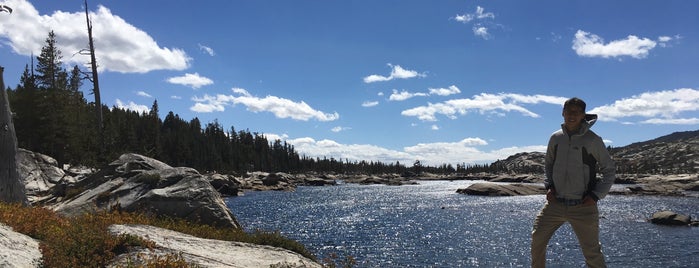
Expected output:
(280, 107)
(404, 95)
(591, 45)
(661, 107)
(479, 14)
(121, 47)
(481, 31)
(143, 94)
(397, 72)
(339, 128)
(445, 91)
(480, 27)
(459, 152)
(482, 103)
(132, 106)
(194, 80)
(370, 103)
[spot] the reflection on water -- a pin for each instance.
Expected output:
(430, 225)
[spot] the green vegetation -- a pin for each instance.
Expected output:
(84, 241)
(53, 117)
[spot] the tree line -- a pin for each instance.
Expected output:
(53, 117)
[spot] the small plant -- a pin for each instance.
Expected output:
(85, 241)
(150, 179)
(333, 261)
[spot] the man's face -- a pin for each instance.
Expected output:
(573, 116)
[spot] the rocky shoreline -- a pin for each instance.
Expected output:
(138, 182)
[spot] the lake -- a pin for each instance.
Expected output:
(430, 225)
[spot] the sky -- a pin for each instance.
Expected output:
(442, 82)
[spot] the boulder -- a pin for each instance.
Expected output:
(43, 179)
(140, 184)
(522, 178)
(18, 250)
(315, 181)
(226, 185)
(502, 189)
(207, 252)
(263, 181)
(670, 218)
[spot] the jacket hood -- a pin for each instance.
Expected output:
(590, 119)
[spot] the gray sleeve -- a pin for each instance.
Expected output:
(606, 167)
(548, 163)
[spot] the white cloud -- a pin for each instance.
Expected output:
(479, 14)
(483, 103)
(480, 25)
(590, 45)
(339, 128)
(194, 80)
(132, 106)
(280, 107)
(207, 50)
(664, 38)
(143, 94)
(481, 31)
(397, 72)
(370, 103)
(404, 95)
(661, 107)
(464, 151)
(175, 97)
(120, 46)
(434, 127)
(671, 121)
(445, 91)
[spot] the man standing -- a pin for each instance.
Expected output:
(574, 155)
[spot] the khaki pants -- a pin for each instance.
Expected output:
(585, 223)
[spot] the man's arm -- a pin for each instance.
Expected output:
(607, 168)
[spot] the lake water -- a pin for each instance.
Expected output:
(430, 225)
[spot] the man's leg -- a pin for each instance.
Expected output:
(585, 223)
(546, 223)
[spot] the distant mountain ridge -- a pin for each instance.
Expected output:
(670, 154)
(676, 153)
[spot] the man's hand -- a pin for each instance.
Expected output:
(551, 195)
(589, 201)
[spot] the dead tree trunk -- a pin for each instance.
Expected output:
(11, 185)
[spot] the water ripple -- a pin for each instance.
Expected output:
(430, 225)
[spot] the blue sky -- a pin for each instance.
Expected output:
(399, 80)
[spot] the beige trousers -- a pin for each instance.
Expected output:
(585, 222)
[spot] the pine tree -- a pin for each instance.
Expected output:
(48, 64)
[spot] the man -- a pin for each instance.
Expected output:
(573, 156)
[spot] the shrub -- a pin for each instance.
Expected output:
(150, 179)
(85, 241)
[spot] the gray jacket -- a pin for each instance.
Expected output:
(572, 161)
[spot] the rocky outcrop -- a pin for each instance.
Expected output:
(138, 183)
(208, 252)
(393, 180)
(674, 153)
(279, 181)
(44, 181)
(531, 162)
(502, 189)
(670, 218)
(668, 185)
(18, 250)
